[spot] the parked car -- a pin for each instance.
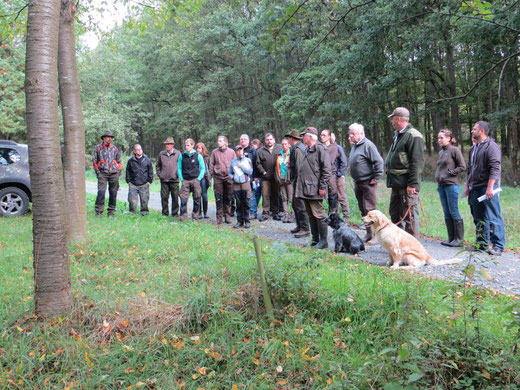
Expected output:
(15, 183)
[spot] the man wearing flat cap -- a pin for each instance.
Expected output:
(311, 185)
(107, 165)
(167, 170)
(404, 164)
(295, 157)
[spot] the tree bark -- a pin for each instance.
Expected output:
(51, 267)
(73, 127)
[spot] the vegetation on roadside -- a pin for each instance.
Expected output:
(160, 304)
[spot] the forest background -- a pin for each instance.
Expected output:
(204, 68)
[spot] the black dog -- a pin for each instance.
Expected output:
(345, 239)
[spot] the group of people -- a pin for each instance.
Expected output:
(294, 178)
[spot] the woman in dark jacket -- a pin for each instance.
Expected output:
(206, 180)
(449, 165)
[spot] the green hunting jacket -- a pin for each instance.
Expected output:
(405, 160)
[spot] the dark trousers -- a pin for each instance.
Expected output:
(112, 179)
(243, 197)
(300, 213)
(399, 203)
(167, 188)
(223, 189)
(366, 196)
(270, 193)
(136, 193)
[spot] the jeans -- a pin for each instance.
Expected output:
(136, 193)
(255, 197)
(204, 189)
(487, 213)
(450, 201)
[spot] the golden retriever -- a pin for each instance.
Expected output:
(402, 247)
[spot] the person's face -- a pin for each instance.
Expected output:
(307, 139)
(244, 141)
(256, 146)
(189, 146)
(240, 153)
(107, 140)
(199, 149)
(398, 122)
(443, 140)
(285, 145)
(169, 147)
(325, 137)
(476, 133)
(293, 141)
(269, 141)
(354, 136)
(221, 142)
(138, 151)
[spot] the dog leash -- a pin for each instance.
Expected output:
(409, 212)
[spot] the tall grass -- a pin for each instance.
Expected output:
(160, 304)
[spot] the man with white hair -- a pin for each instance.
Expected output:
(404, 164)
(366, 168)
(311, 185)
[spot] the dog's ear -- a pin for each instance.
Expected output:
(380, 217)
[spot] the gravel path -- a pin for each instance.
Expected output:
(504, 270)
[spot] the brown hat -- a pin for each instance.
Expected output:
(400, 111)
(169, 140)
(107, 133)
(309, 130)
(293, 134)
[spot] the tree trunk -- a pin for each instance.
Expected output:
(51, 263)
(74, 131)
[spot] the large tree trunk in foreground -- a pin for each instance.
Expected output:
(74, 131)
(51, 263)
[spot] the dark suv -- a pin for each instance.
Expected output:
(15, 184)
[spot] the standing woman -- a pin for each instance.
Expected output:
(449, 165)
(206, 180)
(283, 177)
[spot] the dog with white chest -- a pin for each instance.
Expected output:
(345, 239)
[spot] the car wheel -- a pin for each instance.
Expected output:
(14, 202)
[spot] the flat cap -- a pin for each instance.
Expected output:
(400, 111)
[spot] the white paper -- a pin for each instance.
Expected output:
(238, 171)
(495, 191)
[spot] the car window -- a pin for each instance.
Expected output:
(8, 156)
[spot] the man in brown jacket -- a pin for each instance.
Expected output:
(311, 185)
(167, 171)
(265, 164)
(219, 163)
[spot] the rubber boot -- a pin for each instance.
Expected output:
(205, 208)
(184, 209)
(324, 231)
(458, 240)
(315, 233)
(368, 236)
(196, 209)
(451, 232)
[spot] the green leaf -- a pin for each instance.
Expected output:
(415, 377)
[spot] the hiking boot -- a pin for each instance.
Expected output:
(295, 230)
(302, 233)
(262, 218)
(495, 251)
(237, 225)
(247, 225)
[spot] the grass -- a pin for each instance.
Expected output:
(169, 305)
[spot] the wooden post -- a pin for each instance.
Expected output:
(261, 270)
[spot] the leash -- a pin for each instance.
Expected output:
(409, 212)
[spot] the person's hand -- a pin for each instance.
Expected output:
(489, 193)
(373, 182)
(256, 180)
(239, 165)
(322, 192)
(410, 190)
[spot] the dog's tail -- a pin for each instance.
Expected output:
(445, 262)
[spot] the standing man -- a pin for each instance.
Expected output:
(333, 156)
(404, 164)
(484, 171)
(256, 182)
(139, 176)
(341, 173)
(366, 168)
(191, 169)
(107, 165)
(219, 164)
(167, 170)
(311, 185)
(296, 156)
(266, 163)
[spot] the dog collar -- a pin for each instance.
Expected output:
(388, 224)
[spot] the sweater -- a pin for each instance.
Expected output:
(219, 163)
(449, 165)
(485, 164)
(243, 173)
(365, 161)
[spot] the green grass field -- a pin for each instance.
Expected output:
(168, 305)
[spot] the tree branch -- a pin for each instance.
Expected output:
(482, 20)
(289, 18)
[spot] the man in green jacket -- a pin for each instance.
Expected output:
(404, 164)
